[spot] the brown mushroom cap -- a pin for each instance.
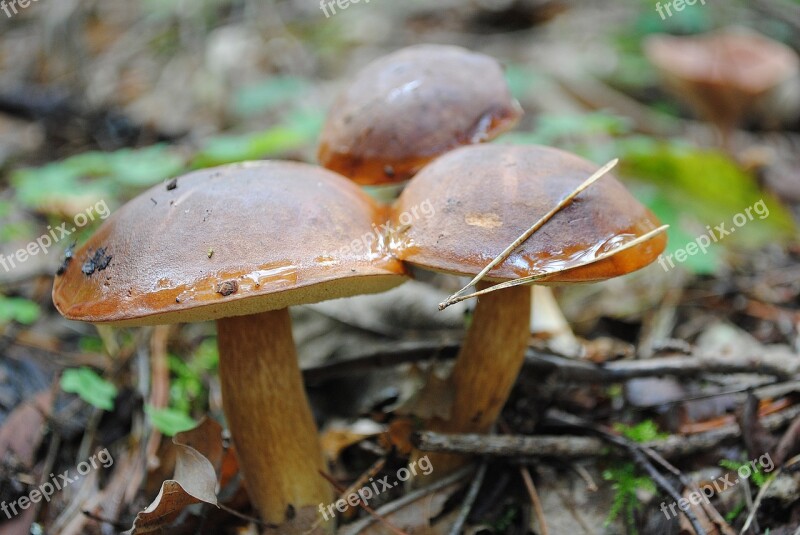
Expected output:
(722, 73)
(404, 109)
(230, 241)
(485, 196)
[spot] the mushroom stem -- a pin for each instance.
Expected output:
(271, 421)
(485, 370)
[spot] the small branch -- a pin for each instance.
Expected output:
(547, 274)
(537, 503)
(528, 233)
(568, 369)
(564, 447)
(709, 509)
(573, 447)
(469, 500)
(639, 457)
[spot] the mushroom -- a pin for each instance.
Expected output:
(405, 109)
(485, 197)
(723, 75)
(282, 234)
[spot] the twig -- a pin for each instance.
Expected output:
(97, 518)
(469, 500)
(527, 447)
(509, 445)
(568, 369)
(361, 481)
(763, 491)
(641, 459)
(50, 459)
(687, 483)
(544, 275)
(242, 516)
(566, 501)
(752, 508)
(537, 503)
(591, 486)
(357, 527)
(638, 456)
(528, 233)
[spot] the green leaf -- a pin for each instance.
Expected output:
(553, 128)
(144, 167)
(36, 187)
(17, 230)
(522, 79)
(5, 208)
(231, 149)
(91, 344)
(702, 188)
(625, 484)
(668, 212)
(93, 164)
(645, 431)
(18, 309)
(756, 471)
(169, 421)
(269, 94)
(90, 387)
(733, 514)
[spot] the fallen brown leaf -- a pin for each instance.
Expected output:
(195, 479)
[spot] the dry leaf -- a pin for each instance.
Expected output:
(433, 400)
(22, 431)
(338, 437)
(195, 479)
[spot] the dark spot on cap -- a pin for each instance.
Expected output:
(69, 254)
(227, 288)
(172, 184)
(98, 262)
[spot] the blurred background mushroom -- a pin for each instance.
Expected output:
(728, 75)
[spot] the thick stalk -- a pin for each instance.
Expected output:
(271, 422)
(485, 370)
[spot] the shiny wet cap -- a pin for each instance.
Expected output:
(229, 241)
(407, 108)
(483, 197)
